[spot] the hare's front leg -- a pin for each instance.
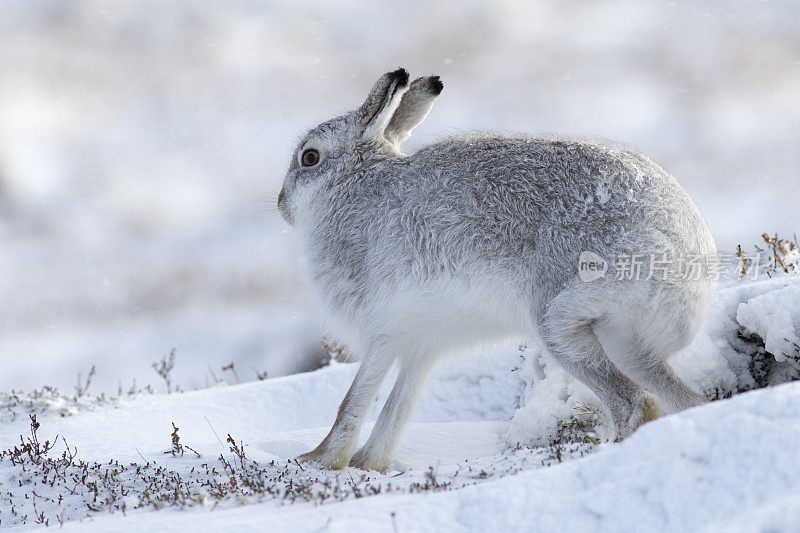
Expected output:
(338, 446)
(377, 453)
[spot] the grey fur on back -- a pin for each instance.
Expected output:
(528, 216)
(487, 230)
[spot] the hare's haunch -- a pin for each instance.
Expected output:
(577, 245)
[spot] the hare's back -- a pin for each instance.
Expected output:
(573, 195)
(576, 182)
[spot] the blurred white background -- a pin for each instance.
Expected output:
(143, 143)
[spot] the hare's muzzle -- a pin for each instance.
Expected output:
(287, 216)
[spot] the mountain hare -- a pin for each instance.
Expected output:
(484, 238)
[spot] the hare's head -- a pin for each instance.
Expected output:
(374, 131)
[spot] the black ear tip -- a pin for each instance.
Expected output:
(401, 75)
(436, 85)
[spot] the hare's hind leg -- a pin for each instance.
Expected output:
(657, 376)
(572, 342)
(648, 366)
(642, 352)
(376, 454)
(338, 446)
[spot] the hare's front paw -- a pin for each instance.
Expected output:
(326, 458)
(365, 460)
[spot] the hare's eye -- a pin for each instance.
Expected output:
(310, 158)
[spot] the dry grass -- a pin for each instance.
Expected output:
(779, 255)
(43, 486)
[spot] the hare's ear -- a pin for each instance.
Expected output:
(374, 114)
(414, 107)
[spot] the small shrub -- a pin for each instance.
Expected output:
(780, 255)
(178, 448)
(164, 369)
(333, 352)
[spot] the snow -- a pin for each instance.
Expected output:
(502, 438)
(774, 317)
(143, 147)
(728, 466)
(720, 357)
(552, 397)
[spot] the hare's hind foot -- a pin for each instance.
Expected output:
(661, 379)
(644, 409)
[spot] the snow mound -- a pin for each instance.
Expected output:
(727, 466)
(775, 317)
(504, 439)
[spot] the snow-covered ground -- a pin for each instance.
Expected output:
(730, 466)
(142, 147)
(502, 438)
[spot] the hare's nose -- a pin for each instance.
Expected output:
(280, 197)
